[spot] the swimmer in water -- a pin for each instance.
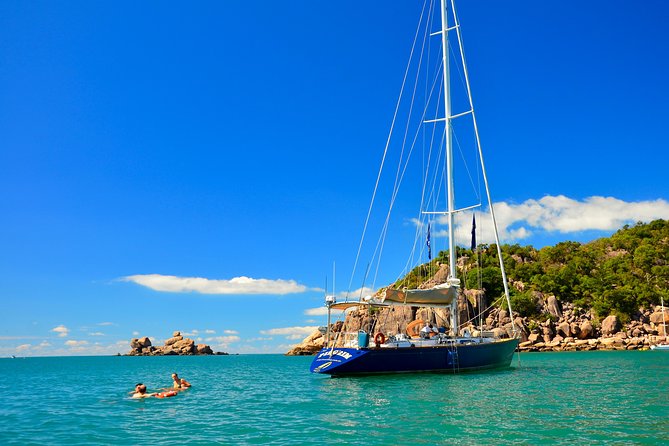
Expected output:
(140, 391)
(178, 383)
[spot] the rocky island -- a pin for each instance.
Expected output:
(176, 345)
(601, 295)
(568, 328)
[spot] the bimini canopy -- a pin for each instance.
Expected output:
(346, 305)
(439, 296)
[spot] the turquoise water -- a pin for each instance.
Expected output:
(552, 398)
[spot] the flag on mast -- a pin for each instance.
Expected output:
(429, 248)
(473, 232)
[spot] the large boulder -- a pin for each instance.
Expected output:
(174, 339)
(547, 333)
(553, 306)
(144, 342)
(610, 325)
(309, 346)
(203, 349)
(575, 329)
(586, 330)
(658, 318)
(564, 329)
(184, 346)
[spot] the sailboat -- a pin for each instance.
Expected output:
(664, 345)
(456, 350)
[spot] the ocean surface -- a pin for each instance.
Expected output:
(550, 398)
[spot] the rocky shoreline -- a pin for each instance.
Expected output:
(176, 345)
(574, 329)
(560, 328)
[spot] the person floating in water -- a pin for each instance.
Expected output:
(140, 391)
(178, 383)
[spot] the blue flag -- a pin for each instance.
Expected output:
(429, 248)
(473, 232)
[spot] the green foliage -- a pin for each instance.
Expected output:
(489, 279)
(524, 304)
(417, 276)
(614, 275)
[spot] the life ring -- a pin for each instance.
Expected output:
(413, 329)
(167, 394)
(380, 338)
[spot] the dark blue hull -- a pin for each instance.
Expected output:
(440, 358)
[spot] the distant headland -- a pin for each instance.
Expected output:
(176, 345)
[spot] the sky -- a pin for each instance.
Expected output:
(203, 167)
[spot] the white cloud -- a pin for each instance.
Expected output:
(213, 331)
(16, 338)
(356, 294)
(230, 332)
(320, 311)
(44, 344)
(103, 324)
(565, 215)
(222, 342)
(559, 214)
(23, 347)
(73, 343)
(97, 333)
(223, 339)
(62, 330)
(236, 285)
(291, 332)
(135, 333)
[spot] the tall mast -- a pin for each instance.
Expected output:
(664, 321)
(449, 162)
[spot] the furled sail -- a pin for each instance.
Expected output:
(440, 295)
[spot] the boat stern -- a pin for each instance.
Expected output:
(330, 360)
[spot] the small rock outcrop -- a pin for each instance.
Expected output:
(315, 341)
(176, 345)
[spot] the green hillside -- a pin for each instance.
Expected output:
(613, 275)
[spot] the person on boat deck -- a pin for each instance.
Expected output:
(178, 383)
(427, 331)
(140, 391)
